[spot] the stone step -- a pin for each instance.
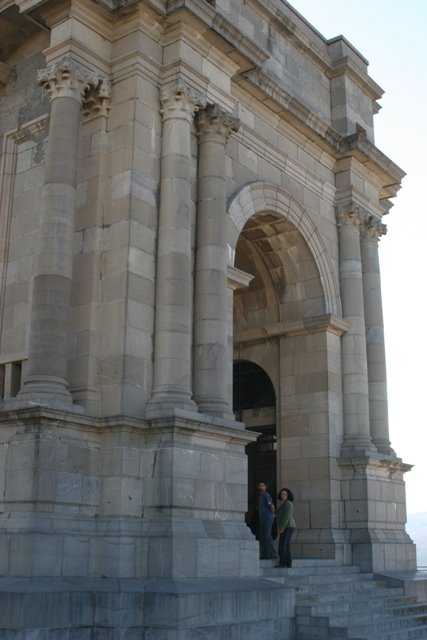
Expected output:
(342, 603)
(309, 568)
(357, 596)
(317, 631)
(387, 623)
(395, 615)
(321, 579)
(344, 590)
(419, 632)
(321, 576)
(356, 606)
(379, 623)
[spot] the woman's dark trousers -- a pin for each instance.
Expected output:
(285, 557)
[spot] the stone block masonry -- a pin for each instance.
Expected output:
(191, 202)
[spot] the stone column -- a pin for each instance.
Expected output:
(210, 303)
(67, 84)
(173, 320)
(355, 373)
(371, 230)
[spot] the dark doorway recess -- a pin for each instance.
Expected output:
(254, 403)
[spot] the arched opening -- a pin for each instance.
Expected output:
(254, 403)
(283, 331)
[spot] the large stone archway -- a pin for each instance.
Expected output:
(286, 321)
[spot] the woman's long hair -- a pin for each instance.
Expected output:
(288, 491)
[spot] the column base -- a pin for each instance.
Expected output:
(214, 407)
(384, 447)
(164, 405)
(383, 550)
(357, 447)
(45, 391)
(373, 498)
(322, 544)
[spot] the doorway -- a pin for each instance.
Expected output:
(254, 403)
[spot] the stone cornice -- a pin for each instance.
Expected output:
(311, 42)
(292, 107)
(335, 57)
(240, 46)
(329, 322)
(358, 146)
(346, 66)
(179, 422)
(316, 47)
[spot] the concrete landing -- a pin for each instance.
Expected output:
(413, 582)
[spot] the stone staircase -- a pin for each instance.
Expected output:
(340, 602)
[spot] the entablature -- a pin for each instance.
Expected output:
(390, 175)
(208, 27)
(335, 57)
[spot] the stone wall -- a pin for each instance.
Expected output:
(182, 186)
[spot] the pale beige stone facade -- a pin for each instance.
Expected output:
(183, 185)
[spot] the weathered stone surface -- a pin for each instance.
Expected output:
(181, 188)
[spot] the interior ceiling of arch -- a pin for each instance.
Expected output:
(272, 250)
(280, 246)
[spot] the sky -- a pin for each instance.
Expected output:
(391, 34)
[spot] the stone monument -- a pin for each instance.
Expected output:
(184, 186)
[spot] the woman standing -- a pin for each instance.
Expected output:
(285, 526)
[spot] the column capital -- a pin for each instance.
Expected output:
(179, 100)
(97, 99)
(214, 121)
(65, 78)
(349, 217)
(372, 228)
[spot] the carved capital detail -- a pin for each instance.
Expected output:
(180, 100)
(67, 79)
(352, 218)
(97, 100)
(212, 120)
(373, 228)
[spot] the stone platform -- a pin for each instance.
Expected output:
(132, 609)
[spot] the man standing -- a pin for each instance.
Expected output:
(266, 518)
